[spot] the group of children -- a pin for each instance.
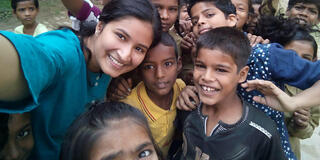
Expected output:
(211, 118)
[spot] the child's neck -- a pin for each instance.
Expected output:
(228, 111)
(164, 101)
(29, 29)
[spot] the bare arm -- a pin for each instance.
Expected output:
(13, 85)
(309, 97)
(279, 100)
(73, 6)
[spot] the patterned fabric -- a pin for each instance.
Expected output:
(258, 62)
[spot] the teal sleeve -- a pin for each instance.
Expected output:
(44, 59)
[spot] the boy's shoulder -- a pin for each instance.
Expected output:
(260, 121)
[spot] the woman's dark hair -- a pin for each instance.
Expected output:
(14, 3)
(4, 130)
(118, 9)
(282, 30)
(86, 130)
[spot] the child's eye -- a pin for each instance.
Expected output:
(147, 67)
(241, 9)
(209, 15)
(194, 21)
(31, 8)
(313, 12)
(145, 153)
(173, 9)
(168, 64)
(200, 66)
(299, 8)
(23, 134)
(221, 70)
(21, 9)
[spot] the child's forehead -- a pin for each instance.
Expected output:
(160, 51)
(307, 4)
(166, 2)
(212, 53)
(203, 6)
(26, 2)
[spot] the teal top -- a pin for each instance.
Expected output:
(59, 83)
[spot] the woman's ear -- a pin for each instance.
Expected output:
(243, 74)
(232, 20)
(99, 28)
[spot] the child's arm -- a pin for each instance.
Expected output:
(279, 100)
(74, 6)
(13, 86)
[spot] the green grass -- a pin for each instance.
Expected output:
(5, 9)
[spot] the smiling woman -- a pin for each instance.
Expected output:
(56, 74)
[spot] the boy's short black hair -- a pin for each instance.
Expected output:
(167, 40)
(315, 2)
(225, 6)
(14, 3)
(228, 40)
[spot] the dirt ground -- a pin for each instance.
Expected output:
(52, 14)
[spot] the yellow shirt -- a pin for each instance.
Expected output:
(160, 120)
(39, 29)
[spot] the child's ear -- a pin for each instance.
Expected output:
(179, 64)
(243, 74)
(14, 12)
(232, 20)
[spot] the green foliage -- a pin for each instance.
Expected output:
(5, 9)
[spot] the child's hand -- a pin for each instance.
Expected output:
(188, 99)
(185, 27)
(301, 118)
(120, 88)
(188, 41)
(274, 97)
(254, 40)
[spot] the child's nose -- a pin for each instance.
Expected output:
(209, 76)
(164, 14)
(27, 12)
(159, 72)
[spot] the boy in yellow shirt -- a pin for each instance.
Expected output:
(156, 95)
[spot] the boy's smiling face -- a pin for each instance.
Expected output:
(159, 70)
(304, 13)
(216, 76)
(205, 16)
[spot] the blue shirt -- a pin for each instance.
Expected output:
(272, 62)
(59, 83)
